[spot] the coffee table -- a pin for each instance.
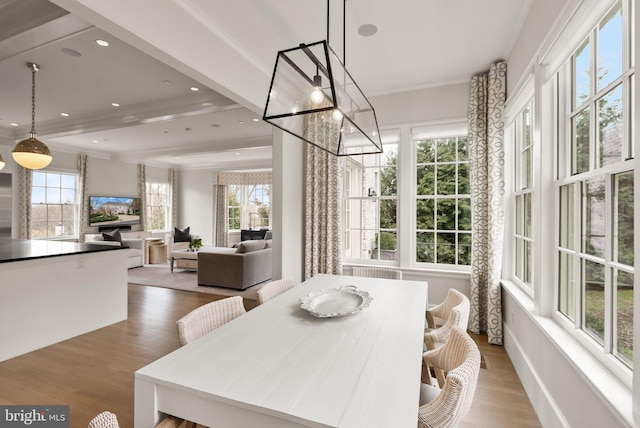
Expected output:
(185, 259)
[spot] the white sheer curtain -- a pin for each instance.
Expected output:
(25, 181)
(173, 195)
(142, 193)
(83, 197)
(486, 169)
(323, 237)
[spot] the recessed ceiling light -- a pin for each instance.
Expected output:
(187, 129)
(166, 132)
(95, 141)
(115, 104)
(64, 114)
(237, 153)
(367, 30)
(13, 124)
(102, 43)
(255, 119)
(240, 122)
(71, 52)
(168, 82)
(215, 125)
(195, 88)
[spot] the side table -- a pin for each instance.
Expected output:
(151, 242)
(157, 253)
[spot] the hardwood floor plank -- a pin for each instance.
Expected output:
(95, 371)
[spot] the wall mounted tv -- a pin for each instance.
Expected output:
(110, 212)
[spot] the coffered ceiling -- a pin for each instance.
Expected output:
(159, 50)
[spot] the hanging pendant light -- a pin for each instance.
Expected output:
(336, 117)
(30, 152)
(2, 163)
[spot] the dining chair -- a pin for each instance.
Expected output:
(104, 420)
(459, 362)
(208, 317)
(458, 318)
(375, 272)
(443, 310)
(274, 288)
(173, 422)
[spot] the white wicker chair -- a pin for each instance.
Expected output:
(208, 317)
(458, 318)
(274, 288)
(104, 420)
(459, 358)
(375, 272)
(443, 310)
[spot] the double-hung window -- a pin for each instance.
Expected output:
(54, 206)
(158, 205)
(442, 200)
(249, 206)
(594, 189)
(523, 192)
(370, 207)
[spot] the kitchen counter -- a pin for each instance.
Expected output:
(13, 250)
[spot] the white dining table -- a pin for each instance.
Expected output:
(280, 366)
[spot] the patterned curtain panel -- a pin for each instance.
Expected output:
(25, 180)
(244, 178)
(221, 226)
(322, 211)
(142, 193)
(173, 195)
(486, 169)
(83, 216)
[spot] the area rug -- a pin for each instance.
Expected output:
(161, 276)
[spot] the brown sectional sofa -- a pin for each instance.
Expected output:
(240, 268)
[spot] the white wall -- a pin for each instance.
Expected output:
(195, 202)
(288, 206)
(541, 18)
(435, 104)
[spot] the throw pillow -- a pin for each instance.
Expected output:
(113, 235)
(250, 246)
(182, 235)
(268, 243)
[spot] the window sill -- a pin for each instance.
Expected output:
(602, 381)
(434, 272)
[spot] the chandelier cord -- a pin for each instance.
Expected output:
(344, 30)
(33, 99)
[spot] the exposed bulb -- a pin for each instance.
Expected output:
(316, 95)
(337, 115)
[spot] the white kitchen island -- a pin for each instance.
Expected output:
(51, 291)
(279, 366)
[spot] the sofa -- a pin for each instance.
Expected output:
(135, 251)
(248, 264)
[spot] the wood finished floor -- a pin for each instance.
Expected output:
(94, 372)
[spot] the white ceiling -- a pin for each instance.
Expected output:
(222, 47)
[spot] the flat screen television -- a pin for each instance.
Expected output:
(113, 211)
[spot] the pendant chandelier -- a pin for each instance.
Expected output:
(30, 152)
(313, 96)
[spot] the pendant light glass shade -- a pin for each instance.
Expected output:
(32, 153)
(313, 97)
(1, 163)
